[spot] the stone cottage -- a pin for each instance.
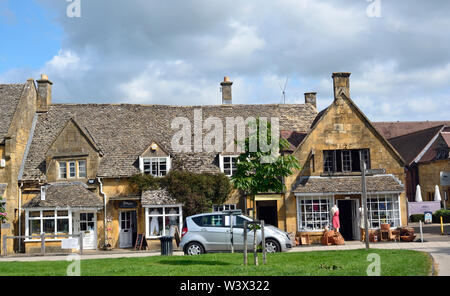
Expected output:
(76, 160)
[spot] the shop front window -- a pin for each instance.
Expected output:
(314, 213)
(383, 209)
(49, 222)
(163, 221)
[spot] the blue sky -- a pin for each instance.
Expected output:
(177, 52)
(30, 36)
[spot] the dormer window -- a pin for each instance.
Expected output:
(155, 166)
(72, 169)
(228, 164)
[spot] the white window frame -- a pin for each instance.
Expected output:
(79, 162)
(55, 217)
(222, 162)
(395, 199)
(77, 169)
(300, 210)
(223, 207)
(59, 170)
(163, 215)
(168, 160)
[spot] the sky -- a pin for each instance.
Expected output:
(177, 52)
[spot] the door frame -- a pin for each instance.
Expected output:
(355, 224)
(76, 215)
(131, 226)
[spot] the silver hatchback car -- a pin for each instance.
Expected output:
(211, 233)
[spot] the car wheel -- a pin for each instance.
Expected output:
(272, 246)
(194, 248)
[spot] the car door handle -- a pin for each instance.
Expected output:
(203, 229)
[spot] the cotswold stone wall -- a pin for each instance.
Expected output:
(13, 152)
(341, 127)
(429, 177)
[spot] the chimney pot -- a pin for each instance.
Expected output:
(44, 95)
(226, 90)
(310, 98)
(341, 83)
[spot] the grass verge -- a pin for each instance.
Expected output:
(320, 263)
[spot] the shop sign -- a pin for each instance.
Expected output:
(428, 217)
(127, 204)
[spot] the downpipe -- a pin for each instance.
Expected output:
(104, 211)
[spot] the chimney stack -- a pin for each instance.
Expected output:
(341, 83)
(310, 98)
(44, 99)
(226, 90)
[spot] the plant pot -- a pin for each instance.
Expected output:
(385, 226)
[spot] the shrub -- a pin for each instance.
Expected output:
(417, 218)
(445, 214)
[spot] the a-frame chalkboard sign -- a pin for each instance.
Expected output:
(141, 242)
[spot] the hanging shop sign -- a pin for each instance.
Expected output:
(127, 204)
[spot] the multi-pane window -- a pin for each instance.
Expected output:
(72, 169)
(163, 220)
(228, 165)
(314, 213)
(345, 160)
(155, 166)
(329, 161)
(383, 209)
(63, 170)
(221, 208)
(48, 222)
(82, 172)
(87, 222)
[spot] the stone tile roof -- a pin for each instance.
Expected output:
(9, 99)
(294, 138)
(348, 184)
(411, 145)
(157, 197)
(2, 189)
(123, 132)
(66, 195)
(399, 128)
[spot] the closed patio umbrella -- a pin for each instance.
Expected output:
(418, 194)
(437, 194)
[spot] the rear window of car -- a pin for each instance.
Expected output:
(209, 220)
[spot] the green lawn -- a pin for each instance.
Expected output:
(324, 263)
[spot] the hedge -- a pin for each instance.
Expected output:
(445, 214)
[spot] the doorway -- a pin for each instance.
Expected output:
(86, 222)
(267, 211)
(348, 218)
(127, 228)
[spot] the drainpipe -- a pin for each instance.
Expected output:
(104, 209)
(20, 215)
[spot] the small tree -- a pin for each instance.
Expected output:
(262, 170)
(259, 171)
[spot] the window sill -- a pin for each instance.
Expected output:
(38, 240)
